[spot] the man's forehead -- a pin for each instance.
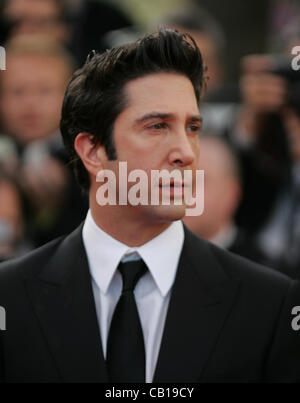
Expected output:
(161, 92)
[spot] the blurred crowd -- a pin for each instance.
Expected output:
(249, 147)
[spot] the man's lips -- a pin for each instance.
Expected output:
(174, 184)
(174, 188)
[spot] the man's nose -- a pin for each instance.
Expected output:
(182, 153)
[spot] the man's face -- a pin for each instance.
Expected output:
(158, 130)
(32, 90)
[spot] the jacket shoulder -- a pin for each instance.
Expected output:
(235, 267)
(247, 270)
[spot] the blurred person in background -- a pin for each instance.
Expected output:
(259, 135)
(254, 126)
(283, 24)
(269, 87)
(12, 242)
(89, 21)
(41, 17)
(280, 237)
(80, 25)
(210, 39)
(222, 195)
(31, 95)
(32, 88)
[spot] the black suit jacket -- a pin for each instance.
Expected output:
(229, 320)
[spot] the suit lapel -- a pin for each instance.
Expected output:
(201, 299)
(63, 300)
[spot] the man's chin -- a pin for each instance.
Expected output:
(171, 213)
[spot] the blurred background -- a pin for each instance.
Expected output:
(249, 147)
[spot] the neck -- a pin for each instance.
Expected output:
(127, 229)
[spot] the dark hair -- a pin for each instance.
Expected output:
(94, 97)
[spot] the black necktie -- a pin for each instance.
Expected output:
(125, 344)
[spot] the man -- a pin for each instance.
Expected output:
(222, 195)
(133, 296)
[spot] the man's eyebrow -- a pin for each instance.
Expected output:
(154, 115)
(196, 118)
(161, 115)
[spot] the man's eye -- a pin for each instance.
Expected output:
(195, 129)
(158, 126)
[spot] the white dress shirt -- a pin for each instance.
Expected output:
(152, 292)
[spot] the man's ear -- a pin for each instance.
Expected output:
(93, 156)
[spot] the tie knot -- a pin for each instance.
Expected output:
(131, 273)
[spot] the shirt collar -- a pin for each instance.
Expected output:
(161, 254)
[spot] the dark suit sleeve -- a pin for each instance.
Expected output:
(283, 358)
